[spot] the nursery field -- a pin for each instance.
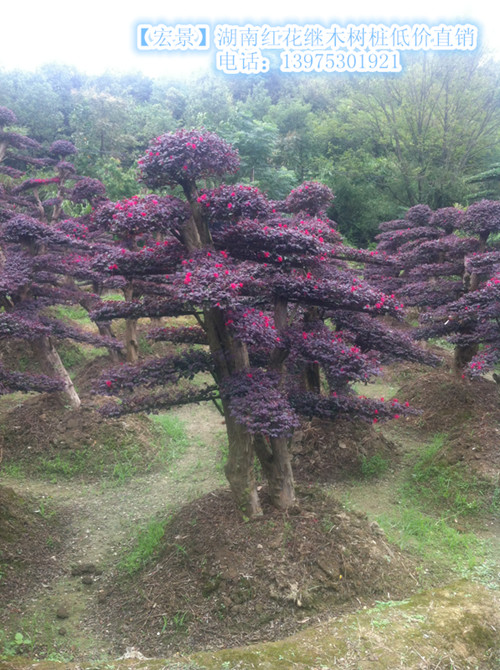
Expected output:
(120, 545)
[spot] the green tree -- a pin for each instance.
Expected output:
(34, 103)
(430, 128)
(296, 146)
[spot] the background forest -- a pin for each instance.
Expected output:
(382, 143)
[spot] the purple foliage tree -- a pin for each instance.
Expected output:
(260, 289)
(141, 232)
(441, 262)
(35, 272)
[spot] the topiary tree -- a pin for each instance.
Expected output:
(34, 251)
(470, 322)
(441, 263)
(270, 296)
(135, 227)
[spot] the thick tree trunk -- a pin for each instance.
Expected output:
(273, 453)
(274, 457)
(231, 356)
(53, 366)
(239, 468)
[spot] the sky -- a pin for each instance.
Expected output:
(100, 35)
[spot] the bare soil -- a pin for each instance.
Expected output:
(220, 581)
(466, 412)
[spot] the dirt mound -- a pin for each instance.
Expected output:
(327, 451)
(468, 412)
(219, 581)
(36, 429)
(27, 529)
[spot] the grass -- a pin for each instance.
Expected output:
(145, 545)
(434, 540)
(431, 630)
(70, 313)
(74, 355)
(373, 466)
(172, 436)
(114, 457)
(116, 461)
(435, 484)
(435, 498)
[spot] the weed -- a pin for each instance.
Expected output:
(13, 470)
(180, 550)
(145, 546)
(19, 644)
(381, 605)
(122, 473)
(436, 484)
(434, 540)
(380, 623)
(179, 621)
(347, 502)
(66, 466)
(146, 347)
(59, 657)
(44, 512)
(374, 466)
(327, 525)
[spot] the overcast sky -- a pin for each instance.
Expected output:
(99, 35)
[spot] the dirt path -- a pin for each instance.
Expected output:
(102, 519)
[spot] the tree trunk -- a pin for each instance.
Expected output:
(131, 340)
(105, 330)
(104, 327)
(311, 378)
(274, 457)
(231, 356)
(53, 366)
(462, 356)
(239, 468)
(273, 453)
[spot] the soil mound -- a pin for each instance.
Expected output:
(36, 428)
(219, 581)
(468, 412)
(328, 451)
(27, 530)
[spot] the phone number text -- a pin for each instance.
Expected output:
(340, 61)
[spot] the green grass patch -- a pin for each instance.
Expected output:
(435, 540)
(70, 313)
(373, 466)
(434, 484)
(13, 470)
(75, 356)
(112, 453)
(115, 456)
(145, 546)
(172, 436)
